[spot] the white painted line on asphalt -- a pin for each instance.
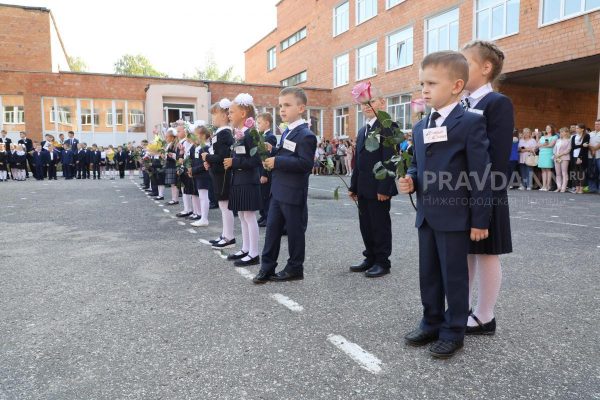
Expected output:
(571, 199)
(365, 359)
(398, 213)
(156, 201)
(23, 198)
(552, 222)
(172, 216)
(118, 190)
(287, 302)
(554, 216)
(245, 273)
(161, 205)
(181, 223)
(206, 242)
(121, 196)
(347, 204)
(192, 230)
(220, 254)
(124, 202)
(165, 210)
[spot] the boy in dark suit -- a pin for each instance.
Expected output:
(121, 161)
(68, 162)
(28, 148)
(373, 196)
(72, 142)
(81, 161)
(291, 164)
(94, 158)
(40, 160)
(53, 158)
(450, 174)
(265, 122)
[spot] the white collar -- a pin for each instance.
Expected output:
(482, 91)
(296, 124)
(445, 111)
(372, 121)
(222, 129)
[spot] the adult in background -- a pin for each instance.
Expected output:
(594, 159)
(579, 156)
(527, 146)
(545, 161)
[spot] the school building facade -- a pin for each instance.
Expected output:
(39, 95)
(552, 48)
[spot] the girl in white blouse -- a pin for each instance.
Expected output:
(561, 152)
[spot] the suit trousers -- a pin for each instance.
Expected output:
(376, 230)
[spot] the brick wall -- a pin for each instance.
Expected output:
(25, 39)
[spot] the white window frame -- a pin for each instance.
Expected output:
(272, 58)
(359, 116)
(427, 30)
(336, 17)
(136, 117)
(17, 115)
(388, 46)
(336, 68)
(294, 38)
(358, 76)
(489, 9)
(61, 115)
(361, 2)
(562, 17)
(392, 3)
(402, 104)
(88, 117)
(286, 81)
(109, 114)
(339, 119)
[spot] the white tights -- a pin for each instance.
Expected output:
(204, 204)
(161, 190)
(3, 175)
(488, 270)
(227, 217)
(187, 203)
(249, 232)
(174, 193)
(196, 204)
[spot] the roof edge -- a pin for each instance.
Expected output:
(29, 8)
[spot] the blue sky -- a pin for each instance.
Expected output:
(176, 35)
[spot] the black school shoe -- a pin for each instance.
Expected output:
(234, 257)
(183, 214)
(487, 329)
(445, 348)
(224, 244)
(215, 241)
(419, 337)
(252, 261)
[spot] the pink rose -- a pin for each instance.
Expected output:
(239, 134)
(361, 93)
(249, 123)
(418, 106)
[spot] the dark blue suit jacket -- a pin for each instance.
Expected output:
(246, 168)
(461, 203)
(56, 155)
(289, 178)
(40, 159)
(500, 123)
(68, 157)
(363, 182)
(73, 143)
(94, 157)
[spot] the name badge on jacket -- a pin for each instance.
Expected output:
(214, 139)
(240, 149)
(476, 111)
(289, 145)
(435, 135)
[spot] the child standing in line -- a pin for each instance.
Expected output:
(19, 163)
(4, 162)
(200, 175)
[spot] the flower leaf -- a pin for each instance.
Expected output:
(336, 193)
(253, 151)
(372, 143)
(383, 116)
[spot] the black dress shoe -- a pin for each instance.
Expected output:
(376, 271)
(159, 198)
(488, 329)
(252, 261)
(262, 277)
(194, 217)
(172, 203)
(445, 348)
(262, 224)
(261, 220)
(419, 337)
(183, 214)
(362, 267)
(285, 276)
(215, 241)
(213, 206)
(233, 257)
(224, 244)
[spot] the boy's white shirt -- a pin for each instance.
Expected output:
(479, 94)
(444, 112)
(296, 124)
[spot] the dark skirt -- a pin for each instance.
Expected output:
(221, 184)
(245, 198)
(160, 178)
(202, 181)
(131, 165)
(499, 240)
(187, 184)
(170, 176)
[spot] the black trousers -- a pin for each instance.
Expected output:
(293, 218)
(146, 180)
(81, 172)
(265, 192)
(96, 170)
(444, 277)
(30, 163)
(122, 171)
(376, 230)
(51, 171)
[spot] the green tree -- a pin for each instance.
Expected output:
(76, 64)
(212, 72)
(136, 65)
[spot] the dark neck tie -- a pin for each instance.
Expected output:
(283, 136)
(432, 118)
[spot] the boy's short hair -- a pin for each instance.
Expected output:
(267, 117)
(453, 61)
(3, 131)
(297, 92)
(71, 132)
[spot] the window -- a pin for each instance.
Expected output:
(340, 127)
(392, 3)
(62, 115)
(366, 59)
(496, 18)
(442, 32)
(556, 10)
(109, 117)
(400, 49)
(341, 18)
(294, 80)
(86, 117)
(399, 109)
(136, 117)
(365, 9)
(292, 40)
(360, 118)
(341, 70)
(14, 115)
(271, 58)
